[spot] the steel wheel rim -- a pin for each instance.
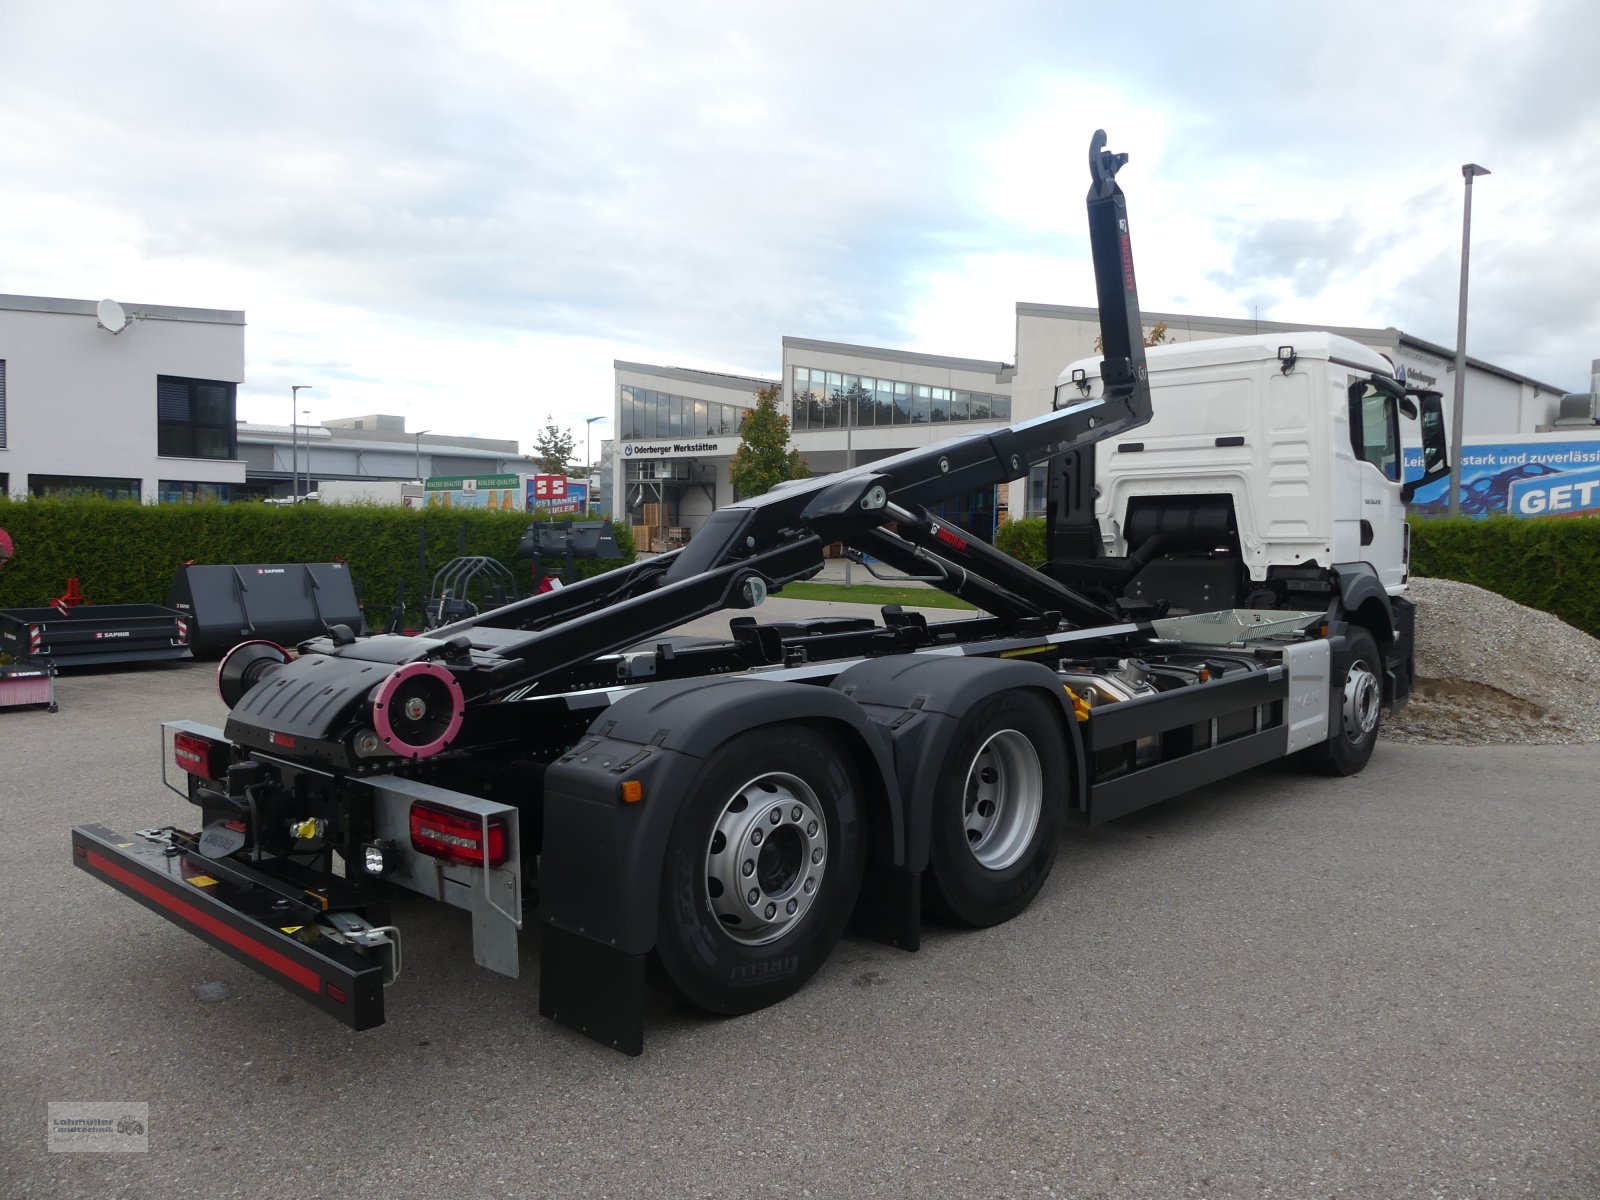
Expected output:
(1003, 798)
(766, 858)
(1362, 700)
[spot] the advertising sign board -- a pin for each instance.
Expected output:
(1529, 476)
(550, 495)
(476, 491)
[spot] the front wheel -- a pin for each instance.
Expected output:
(1357, 711)
(997, 809)
(763, 867)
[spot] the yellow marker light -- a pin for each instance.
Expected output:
(632, 791)
(1080, 706)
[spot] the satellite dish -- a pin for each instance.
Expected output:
(112, 318)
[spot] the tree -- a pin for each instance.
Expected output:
(763, 458)
(1156, 337)
(552, 449)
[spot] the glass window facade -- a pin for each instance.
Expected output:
(195, 418)
(1038, 490)
(833, 400)
(174, 491)
(83, 485)
(651, 414)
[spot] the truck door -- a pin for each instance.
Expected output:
(1375, 437)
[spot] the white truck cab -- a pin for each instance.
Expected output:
(1271, 461)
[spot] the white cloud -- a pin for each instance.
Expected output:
(465, 211)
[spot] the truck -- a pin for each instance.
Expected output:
(396, 492)
(1225, 587)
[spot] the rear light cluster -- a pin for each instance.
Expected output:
(457, 837)
(200, 755)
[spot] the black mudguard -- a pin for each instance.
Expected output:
(1359, 587)
(600, 870)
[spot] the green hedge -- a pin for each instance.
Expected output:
(1548, 563)
(1551, 563)
(1023, 540)
(127, 553)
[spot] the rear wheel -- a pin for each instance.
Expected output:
(1356, 704)
(997, 809)
(763, 867)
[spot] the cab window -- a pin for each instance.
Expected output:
(1375, 429)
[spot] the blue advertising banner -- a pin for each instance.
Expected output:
(575, 499)
(1556, 495)
(1530, 476)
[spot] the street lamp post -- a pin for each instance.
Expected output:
(588, 463)
(849, 461)
(306, 413)
(420, 432)
(294, 437)
(1468, 172)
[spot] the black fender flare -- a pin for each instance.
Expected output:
(1359, 586)
(918, 699)
(600, 866)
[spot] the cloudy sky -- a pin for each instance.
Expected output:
(464, 211)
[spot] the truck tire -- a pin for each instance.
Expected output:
(997, 809)
(1355, 704)
(762, 870)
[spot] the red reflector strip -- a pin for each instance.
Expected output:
(334, 993)
(263, 954)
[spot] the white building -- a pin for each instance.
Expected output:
(676, 431)
(373, 447)
(145, 412)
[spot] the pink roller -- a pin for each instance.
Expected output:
(385, 693)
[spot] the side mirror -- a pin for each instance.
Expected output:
(1435, 451)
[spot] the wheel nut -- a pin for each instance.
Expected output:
(753, 896)
(755, 838)
(772, 911)
(794, 813)
(791, 906)
(811, 886)
(811, 829)
(749, 867)
(775, 815)
(816, 855)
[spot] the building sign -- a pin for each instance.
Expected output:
(1531, 476)
(476, 491)
(1422, 370)
(558, 495)
(696, 448)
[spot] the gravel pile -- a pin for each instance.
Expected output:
(1491, 671)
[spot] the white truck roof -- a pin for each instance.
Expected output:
(1249, 347)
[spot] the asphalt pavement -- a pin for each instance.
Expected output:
(1281, 986)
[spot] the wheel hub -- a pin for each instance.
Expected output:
(766, 859)
(1363, 698)
(1004, 798)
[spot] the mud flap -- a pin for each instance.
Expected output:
(597, 990)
